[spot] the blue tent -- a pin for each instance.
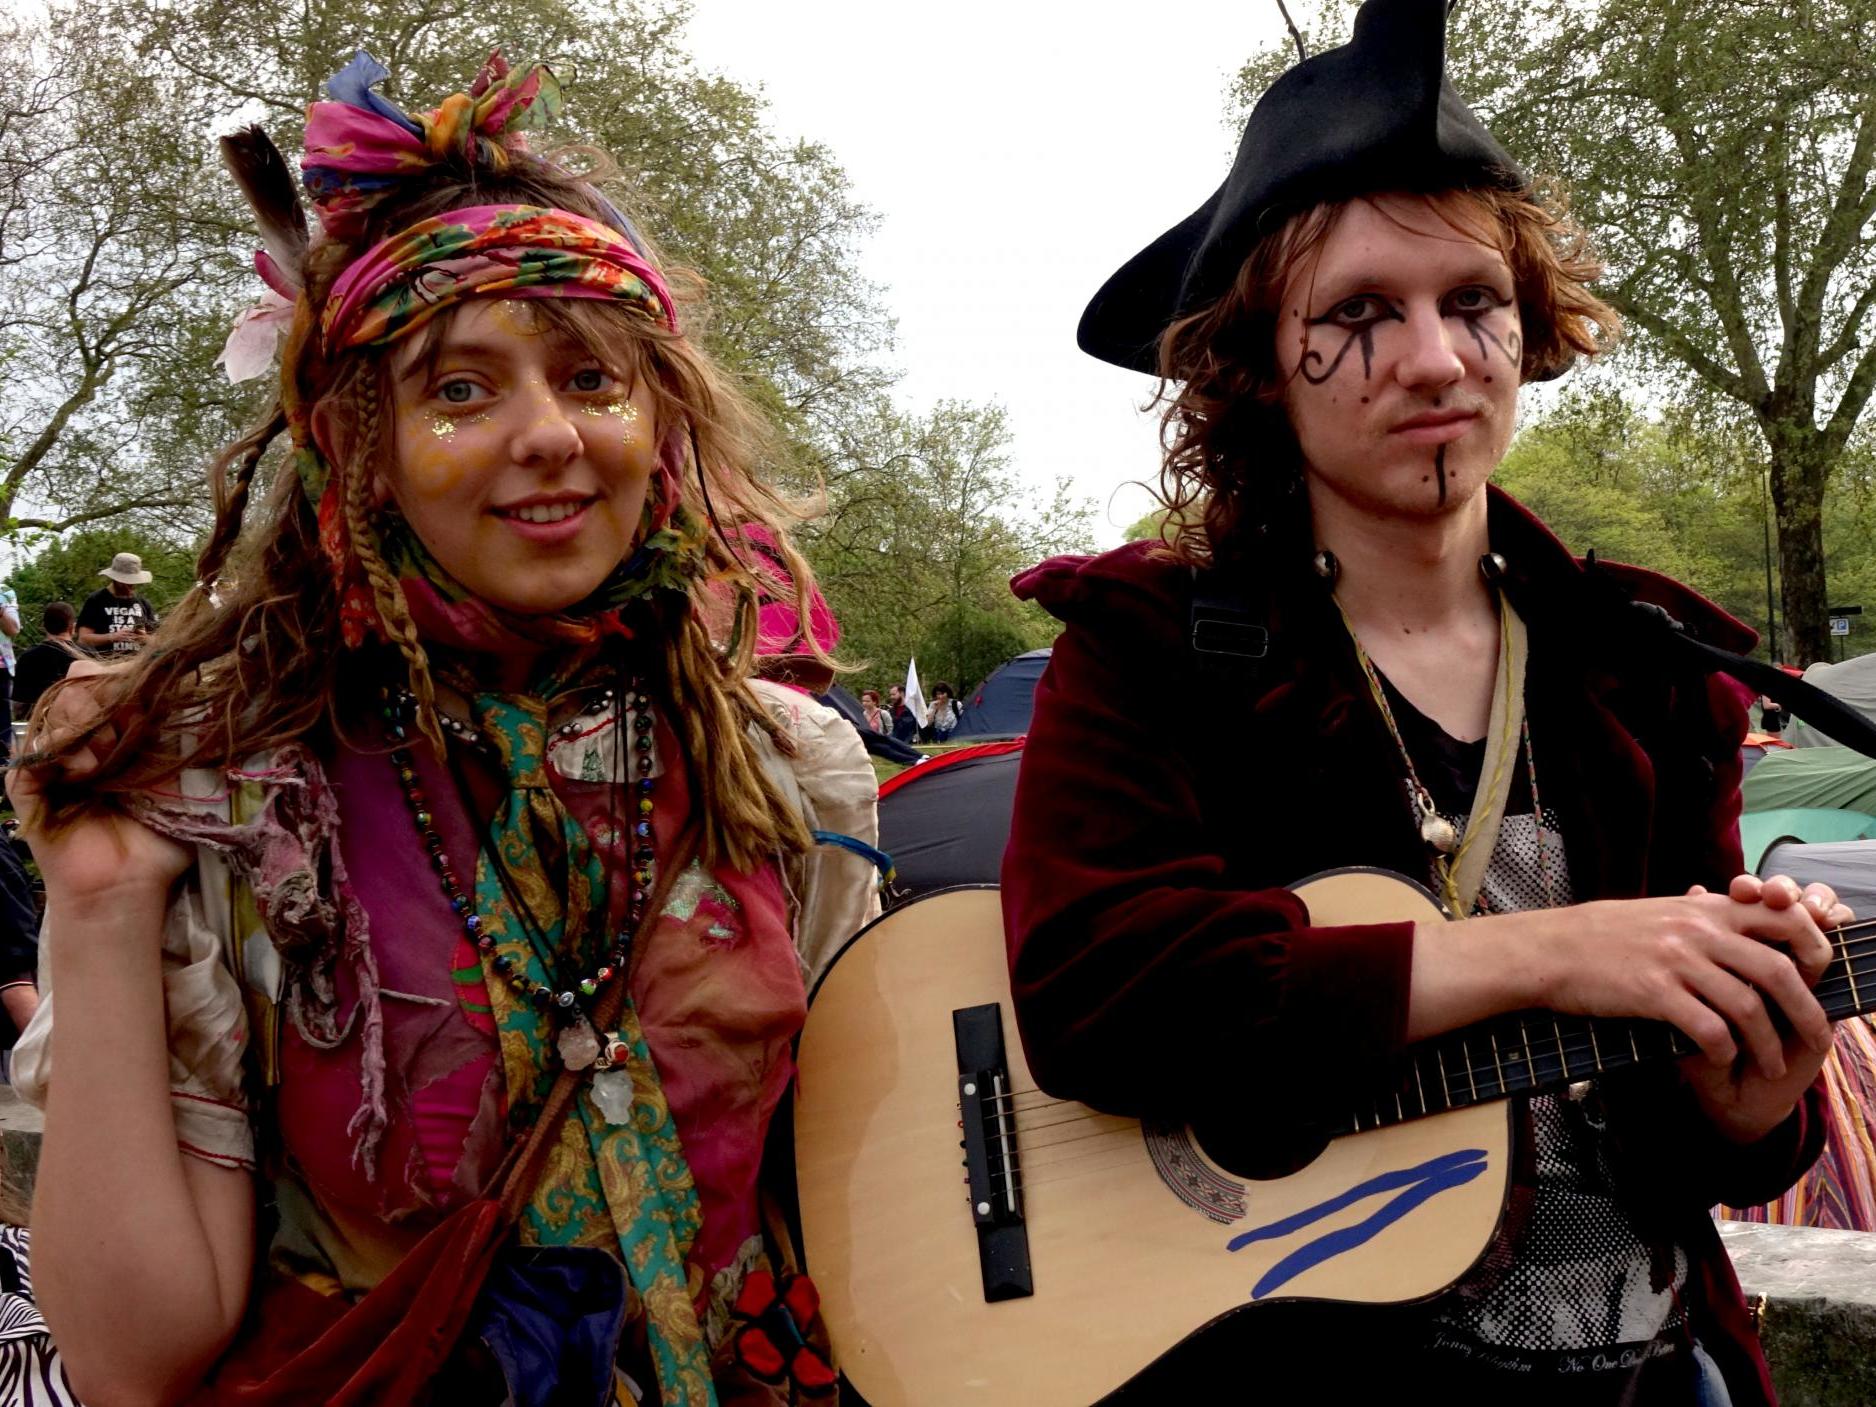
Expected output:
(1002, 704)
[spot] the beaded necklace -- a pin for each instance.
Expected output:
(1439, 835)
(568, 1004)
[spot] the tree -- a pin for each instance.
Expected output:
(103, 281)
(1735, 214)
(131, 259)
(771, 226)
(926, 521)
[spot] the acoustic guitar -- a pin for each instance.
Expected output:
(971, 1235)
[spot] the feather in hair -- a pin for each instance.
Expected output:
(267, 182)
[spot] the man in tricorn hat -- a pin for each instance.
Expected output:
(1435, 687)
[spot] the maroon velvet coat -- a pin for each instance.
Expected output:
(1160, 969)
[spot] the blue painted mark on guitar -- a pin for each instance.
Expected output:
(1412, 1187)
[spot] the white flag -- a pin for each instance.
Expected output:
(915, 696)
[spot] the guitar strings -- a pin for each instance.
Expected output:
(1554, 1047)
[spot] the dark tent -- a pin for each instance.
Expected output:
(947, 822)
(1002, 704)
(877, 744)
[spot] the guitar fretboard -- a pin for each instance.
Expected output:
(1536, 1052)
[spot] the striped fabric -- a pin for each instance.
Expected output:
(1839, 1191)
(31, 1374)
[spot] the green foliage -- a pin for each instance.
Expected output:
(924, 528)
(67, 570)
(968, 642)
(136, 256)
(1682, 492)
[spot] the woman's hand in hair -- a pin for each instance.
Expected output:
(98, 854)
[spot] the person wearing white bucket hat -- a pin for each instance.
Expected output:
(115, 618)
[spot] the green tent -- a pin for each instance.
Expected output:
(1827, 778)
(1759, 831)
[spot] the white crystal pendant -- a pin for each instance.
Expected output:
(612, 1094)
(579, 1045)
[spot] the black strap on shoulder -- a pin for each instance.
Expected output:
(1821, 710)
(1230, 634)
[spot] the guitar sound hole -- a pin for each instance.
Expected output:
(1249, 1149)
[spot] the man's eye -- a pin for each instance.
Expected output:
(1476, 300)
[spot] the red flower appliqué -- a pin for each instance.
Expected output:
(773, 1314)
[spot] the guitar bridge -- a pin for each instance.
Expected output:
(992, 1160)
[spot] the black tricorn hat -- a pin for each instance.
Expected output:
(1376, 114)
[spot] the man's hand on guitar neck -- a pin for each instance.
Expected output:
(1712, 965)
(1743, 1101)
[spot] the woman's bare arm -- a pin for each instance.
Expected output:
(141, 1254)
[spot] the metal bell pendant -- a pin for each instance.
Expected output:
(1439, 832)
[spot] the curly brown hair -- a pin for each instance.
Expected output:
(255, 660)
(1229, 454)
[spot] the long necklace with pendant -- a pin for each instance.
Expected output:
(577, 1042)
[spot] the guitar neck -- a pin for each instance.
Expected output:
(1537, 1052)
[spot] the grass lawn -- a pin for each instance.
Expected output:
(883, 769)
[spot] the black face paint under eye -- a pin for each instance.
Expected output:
(1511, 345)
(1362, 333)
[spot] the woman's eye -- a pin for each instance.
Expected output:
(592, 378)
(456, 392)
(1363, 309)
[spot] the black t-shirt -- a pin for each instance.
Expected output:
(1582, 1297)
(104, 611)
(38, 669)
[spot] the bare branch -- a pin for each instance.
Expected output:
(1684, 347)
(1848, 338)
(1295, 33)
(1855, 397)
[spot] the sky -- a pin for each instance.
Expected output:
(1016, 153)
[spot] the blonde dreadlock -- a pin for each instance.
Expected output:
(386, 593)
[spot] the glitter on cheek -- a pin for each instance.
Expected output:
(624, 410)
(442, 426)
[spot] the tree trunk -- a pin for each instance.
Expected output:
(1801, 463)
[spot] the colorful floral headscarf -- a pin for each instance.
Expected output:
(360, 144)
(486, 251)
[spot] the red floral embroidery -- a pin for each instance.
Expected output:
(773, 1316)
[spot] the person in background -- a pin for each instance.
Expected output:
(45, 664)
(118, 616)
(19, 950)
(876, 718)
(9, 627)
(944, 713)
(904, 722)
